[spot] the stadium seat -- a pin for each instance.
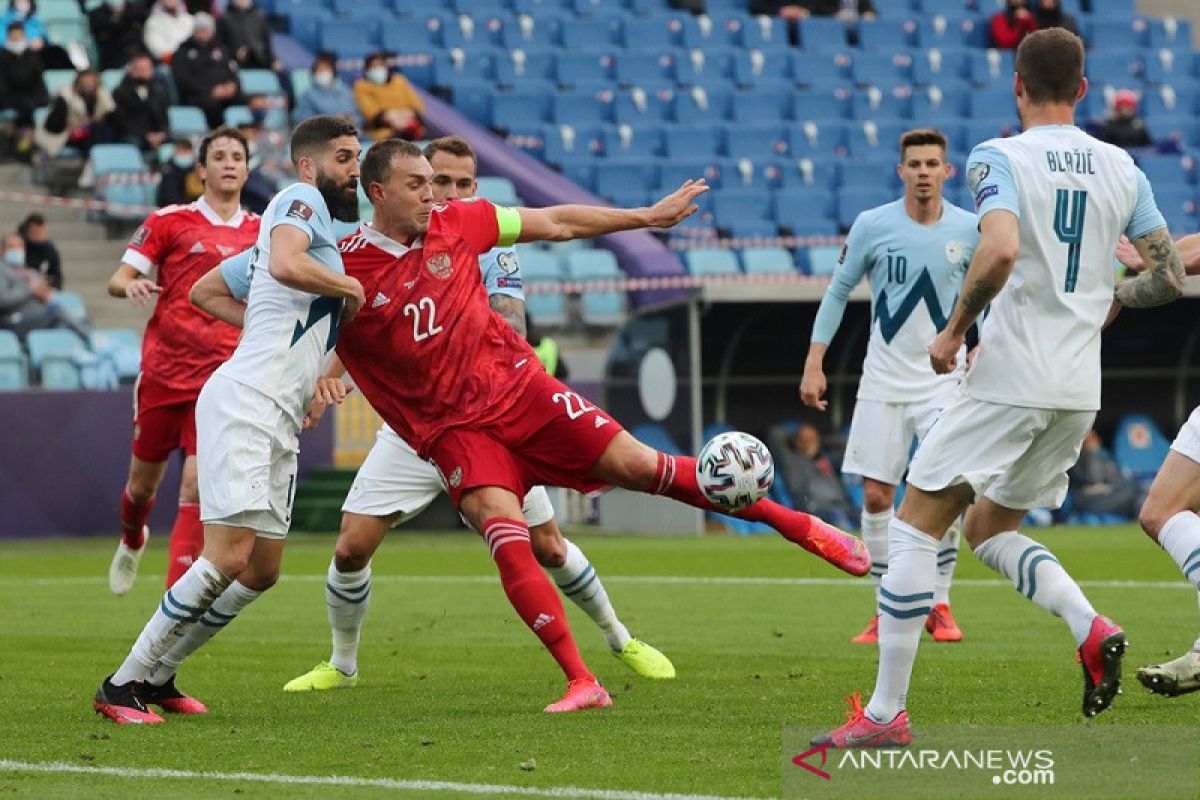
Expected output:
(955, 8)
(236, 116)
(498, 190)
(701, 67)
(822, 34)
(473, 65)
(603, 309)
(870, 172)
(874, 137)
(752, 229)
(1114, 9)
(885, 36)
(588, 36)
(51, 355)
(613, 178)
(818, 140)
(741, 204)
(877, 103)
(1139, 447)
(547, 309)
(819, 68)
(761, 260)
(186, 121)
(520, 106)
(852, 202)
(705, 262)
(1171, 34)
(349, 38)
(1110, 33)
(581, 107)
(110, 158)
(760, 106)
(1114, 65)
(259, 81)
(764, 33)
(408, 38)
(798, 173)
(122, 346)
(993, 102)
(628, 142)
(756, 142)
(991, 66)
(795, 204)
(635, 69)
(14, 368)
(1168, 170)
(590, 265)
(822, 261)
(540, 265)
(72, 304)
(701, 105)
(692, 142)
(652, 34)
(571, 68)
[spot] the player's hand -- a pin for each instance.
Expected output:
(812, 389)
(353, 303)
(330, 391)
(141, 291)
(1128, 255)
(943, 352)
(677, 206)
(316, 410)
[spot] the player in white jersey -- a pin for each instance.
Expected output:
(394, 485)
(1052, 203)
(248, 418)
(914, 252)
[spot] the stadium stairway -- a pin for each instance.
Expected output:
(88, 257)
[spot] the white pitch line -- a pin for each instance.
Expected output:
(7, 765)
(679, 580)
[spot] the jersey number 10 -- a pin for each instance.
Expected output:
(1069, 210)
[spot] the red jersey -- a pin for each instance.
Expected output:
(427, 350)
(183, 345)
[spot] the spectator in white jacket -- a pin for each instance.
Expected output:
(168, 25)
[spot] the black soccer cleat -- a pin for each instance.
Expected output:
(122, 705)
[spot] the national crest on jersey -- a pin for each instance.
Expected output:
(432, 354)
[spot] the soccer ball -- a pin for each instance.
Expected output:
(734, 470)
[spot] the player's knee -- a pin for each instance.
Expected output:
(347, 557)
(257, 580)
(1153, 516)
(189, 489)
(878, 498)
(140, 490)
(548, 548)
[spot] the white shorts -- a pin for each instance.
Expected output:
(246, 448)
(395, 480)
(1187, 441)
(881, 435)
(1016, 457)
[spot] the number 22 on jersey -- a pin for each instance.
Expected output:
(423, 313)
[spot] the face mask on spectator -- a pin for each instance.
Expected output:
(14, 258)
(258, 115)
(15, 46)
(184, 160)
(377, 74)
(324, 78)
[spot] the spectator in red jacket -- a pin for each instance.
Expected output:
(1010, 26)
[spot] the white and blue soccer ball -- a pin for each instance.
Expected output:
(734, 470)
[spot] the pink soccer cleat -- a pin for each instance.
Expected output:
(846, 552)
(1101, 654)
(581, 694)
(942, 625)
(122, 705)
(870, 634)
(861, 731)
(170, 699)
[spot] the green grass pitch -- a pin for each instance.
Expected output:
(453, 684)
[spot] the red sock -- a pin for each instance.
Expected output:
(530, 592)
(676, 478)
(133, 519)
(187, 540)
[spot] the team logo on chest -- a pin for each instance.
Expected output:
(954, 251)
(440, 265)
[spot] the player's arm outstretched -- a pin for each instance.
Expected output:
(564, 223)
(1162, 279)
(999, 242)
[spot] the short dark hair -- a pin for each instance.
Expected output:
(1050, 63)
(16, 24)
(922, 136)
(371, 58)
(223, 132)
(315, 133)
(454, 145)
(32, 220)
(377, 165)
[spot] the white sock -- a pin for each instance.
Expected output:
(947, 560)
(906, 597)
(180, 608)
(1037, 574)
(875, 534)
(1180, 537)
(577, 579)
(347, 594)
(212, 622)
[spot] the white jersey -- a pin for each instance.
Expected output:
(1073, 196)
(288, 334)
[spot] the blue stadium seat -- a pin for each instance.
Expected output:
(764, 260)
(949, 8)
(752, 67)
(730, 205)
(948, 31)
(992, 102)
(852, 202)
(875, 103)
(498, 189)
(536, 33)
(522, 105)
(869, 173)
(756, 142)
(823, 260)
(703, 262)
(810, 226)
(469, 65)
(881, 69)
(1111, 33)
(652, 34)
(1167, 66)
(540, 265)
(701, 105)
(1176, 201)
(634, 68)
(122, 347)
(186, 121)
(894, 9)
(1168, 170)
(52, 353)
(885, 36)
(1171, 34)
(571, 68)
(760, 106)
(640, 107)
(643, 142)
(822, 105)
(14, 369)
(764, 33)
(592, 265)
(981, 130)
(1139, 447)
(820, 68)
(940, 66)
(109, 158)
(1114, 9)
(72, 304)
(936, 102)
(817, 139)
(1114, 65)
(822, 34)
(474, 99)
(588, 36)
(672, 173)
(703, 68)
(752, 229)
(875, 137)
(799, 173)
(348, 38)
(990, 67)
(516, 66)
(548, 309)
(624, 176)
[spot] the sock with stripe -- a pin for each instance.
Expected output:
(675, 477)
(1180, 537)
(180, 608)
(213, 621)
(875, 534)
(577, 579)
(133, 519)
(347, 596)
(531, 593)
(905, 599)
(947, 561)
(187, 541)
(1036, 573)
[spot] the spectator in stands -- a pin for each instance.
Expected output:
(27, 302)
(802, 9)
(168, 26)
(142, 102)
(696, 7)
(179, 183)
(328, 94)
(810, 476)
(1097, 484)
(41, 255)
(78, 119)
(1049, 14)
(117, 28)
(1123, 127)
(36, 35)
(205, 72)
(388, 103)
(245, 32)
(21, 86)
(1010, 26)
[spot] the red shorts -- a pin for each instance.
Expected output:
(552, 436)
(164, 420)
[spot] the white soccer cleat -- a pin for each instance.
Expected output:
(122, 572)
(1173, 678)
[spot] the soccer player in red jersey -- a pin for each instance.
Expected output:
(182, 346)
(457, 383)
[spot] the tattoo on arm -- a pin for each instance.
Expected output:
(1162, 280)
(977, 296)
(513, 311)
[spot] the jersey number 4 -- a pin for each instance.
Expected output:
(423, 312)
(1069, 211)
